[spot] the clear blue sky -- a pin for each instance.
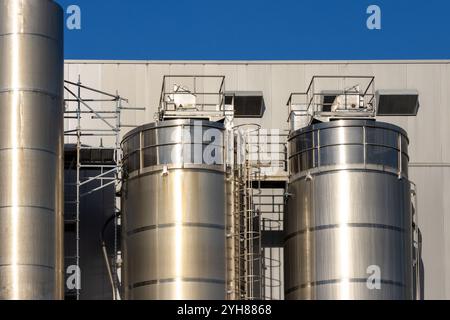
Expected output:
(258, 30)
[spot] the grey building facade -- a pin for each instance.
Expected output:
(429, 132)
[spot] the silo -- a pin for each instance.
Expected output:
(349, 224)
(31, 149)
(174, 211)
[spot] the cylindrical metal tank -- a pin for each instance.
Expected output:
(31, 149)
(174, 211)
(349, 221)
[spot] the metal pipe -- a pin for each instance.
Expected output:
(79, 85)
(108, 267)
(80, 101)
(78, 191)
(418, 234)
(429, 165)
(418, 272)
(105, 255)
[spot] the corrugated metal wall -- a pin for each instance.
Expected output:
(429, 132)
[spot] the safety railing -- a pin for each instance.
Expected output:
(267, 150)
(352, 143)
(333, 96)
(189, 94)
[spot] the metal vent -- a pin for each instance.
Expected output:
(397, 102)
(246, 104)
(328, 97)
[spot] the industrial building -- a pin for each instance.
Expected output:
(275, 81)
(356, 177)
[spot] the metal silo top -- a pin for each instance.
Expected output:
(348, 145)
(174, 144)
(350, 123)
(173, 123)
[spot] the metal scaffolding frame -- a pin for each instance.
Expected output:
(107, 110)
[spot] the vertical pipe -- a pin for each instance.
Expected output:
(31, 150)
(78, 191)
(231, 234)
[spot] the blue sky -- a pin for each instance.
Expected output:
(258, 30)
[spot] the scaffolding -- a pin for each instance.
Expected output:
(94, 117)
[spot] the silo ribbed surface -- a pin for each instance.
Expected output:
(174, 212)
(349, 224)
(31, 149)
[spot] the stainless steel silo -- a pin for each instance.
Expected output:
(31, 149)
(174, 211)
(349, 220)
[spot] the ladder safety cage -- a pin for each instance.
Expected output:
(258, 270)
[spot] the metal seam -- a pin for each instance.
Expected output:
(30, 149)
(33, 207)
(153, 170)
(170, 280)
(39, 35)
(27, 265)
(171, 225)
(31, 90)
(320, 171)
(337, 281)
(351, 225)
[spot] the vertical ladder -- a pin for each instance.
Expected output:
(247, 233)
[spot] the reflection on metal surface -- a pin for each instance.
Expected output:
(31, 129)
(174, 212)
(344, 241)
(178, 234)
(14, 151)
(350, 209)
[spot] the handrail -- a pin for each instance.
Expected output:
(364, 145)
(313, 107)
(217, 107)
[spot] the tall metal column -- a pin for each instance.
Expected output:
(31, 149)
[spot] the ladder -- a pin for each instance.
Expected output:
(247, 226)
